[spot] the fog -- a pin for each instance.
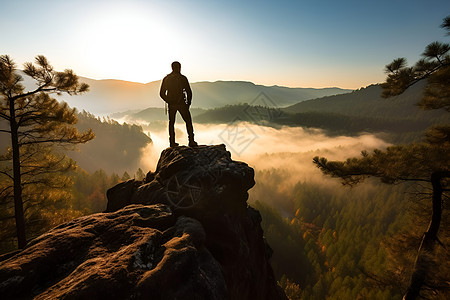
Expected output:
(265, 148)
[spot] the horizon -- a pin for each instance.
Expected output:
(289, 44)
(220, 80)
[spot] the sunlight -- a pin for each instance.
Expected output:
(128, 42)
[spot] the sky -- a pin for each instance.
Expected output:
(303, 43)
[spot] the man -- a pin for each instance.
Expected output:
(177, 93)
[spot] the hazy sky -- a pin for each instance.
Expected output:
(291, 43)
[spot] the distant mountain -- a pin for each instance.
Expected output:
(110, 96)
(221, 93)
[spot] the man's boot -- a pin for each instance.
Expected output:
(192, 143)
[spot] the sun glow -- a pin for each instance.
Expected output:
(128, 42)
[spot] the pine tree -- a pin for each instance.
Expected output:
(36, 124)
(140, 175)
(125, 176)
(425, 162)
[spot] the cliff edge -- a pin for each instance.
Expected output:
(185, 232)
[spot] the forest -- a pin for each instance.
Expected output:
(360, 231)
(329, 241)
(127, 140)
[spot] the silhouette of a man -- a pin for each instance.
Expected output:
(176, 91)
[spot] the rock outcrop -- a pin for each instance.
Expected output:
(185, 232)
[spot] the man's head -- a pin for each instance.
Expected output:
(176, 67)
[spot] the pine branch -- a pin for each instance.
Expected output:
(9, 187)
(22, 117)
(414, 179)
(5, 116)
(61, 140)
(39, 89)
(36, 171)
(30, 155)
(6, 174)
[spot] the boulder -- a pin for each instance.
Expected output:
(184, 232)
(196, 179)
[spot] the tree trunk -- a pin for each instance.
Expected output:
(18, 203)
(429, 240)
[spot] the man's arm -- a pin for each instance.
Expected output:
(162, 91)
(188, 90)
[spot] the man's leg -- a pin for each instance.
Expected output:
(186, 115)
(172, 114)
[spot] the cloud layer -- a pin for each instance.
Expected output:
(263, 148)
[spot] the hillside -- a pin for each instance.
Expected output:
(151, 114)
(124, 143)
(363, 110)
(367, 102)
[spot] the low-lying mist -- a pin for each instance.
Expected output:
(290, 149)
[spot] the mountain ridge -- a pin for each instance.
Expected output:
(107, 96)
(369, 102)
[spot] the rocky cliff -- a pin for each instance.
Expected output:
(185, 232)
